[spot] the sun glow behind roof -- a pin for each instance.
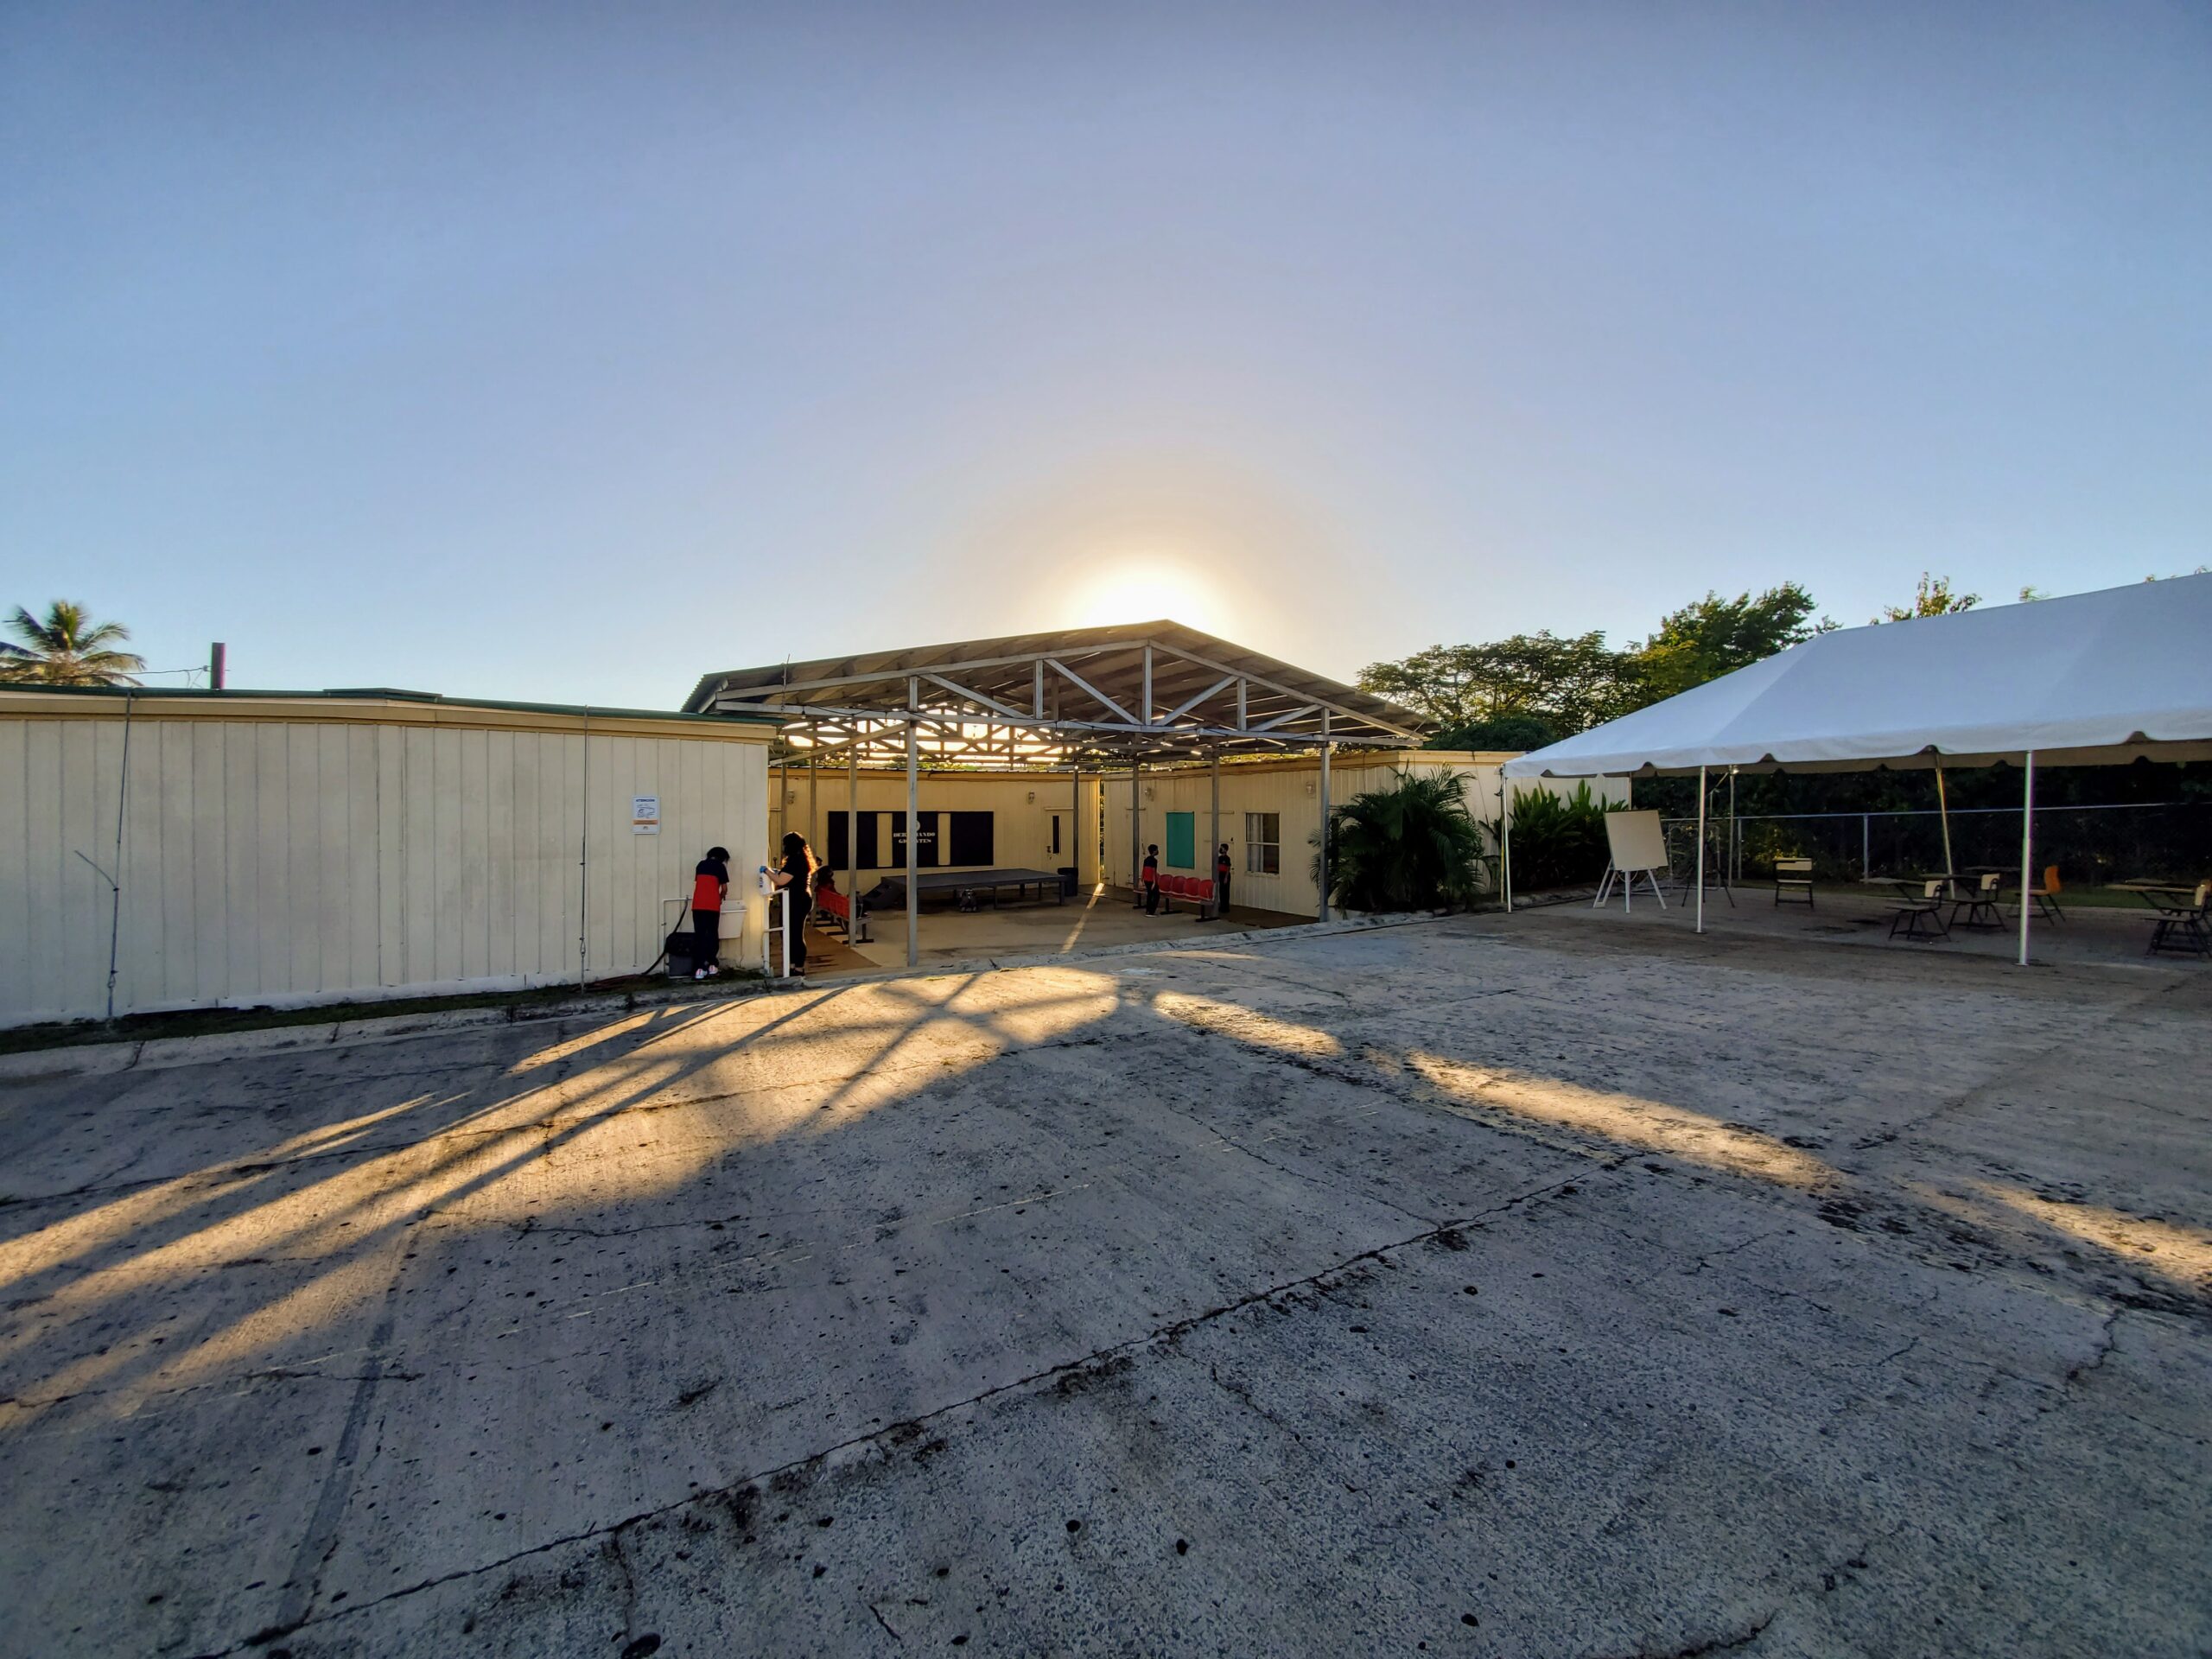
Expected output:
(1137, 587)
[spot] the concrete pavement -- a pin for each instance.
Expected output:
(1494, 1286)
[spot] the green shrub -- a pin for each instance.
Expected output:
(1412, 846)
(1558, 840)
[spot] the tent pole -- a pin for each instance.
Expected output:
(1324, 913)
(1215, 834)
(1734, 864)
(1137, 833)
(852, 844)
(913, 826)
(2027, 849)
(1943, 811)
(1505, 836)
(1700, 850)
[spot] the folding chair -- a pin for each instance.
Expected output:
(2046, 896)
(1910, 910)
(1979, 901)
(2186, 928)
(1793, 879)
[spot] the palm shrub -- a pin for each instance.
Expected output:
(67, 648)
(1410, 846)
(1558, 840)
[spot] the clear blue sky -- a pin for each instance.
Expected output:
(567, 353)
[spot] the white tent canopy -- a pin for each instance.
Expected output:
(2094, 679)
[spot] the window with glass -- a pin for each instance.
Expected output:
(1263, 843)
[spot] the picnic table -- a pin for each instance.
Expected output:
(1962, 890)
(2184, 911)
(1920, 897)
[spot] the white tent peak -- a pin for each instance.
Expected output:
(2087, 678)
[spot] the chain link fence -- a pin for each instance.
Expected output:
(2091, 845)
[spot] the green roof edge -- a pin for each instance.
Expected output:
(383, 694)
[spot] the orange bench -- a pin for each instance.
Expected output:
(839, 907)
(1196, 890)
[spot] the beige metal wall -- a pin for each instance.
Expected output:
(1291, 789)
(1022, 805)
(287, 851)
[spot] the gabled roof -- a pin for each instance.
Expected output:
(2088, 679)
(1032, 698)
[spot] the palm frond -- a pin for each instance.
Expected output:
(67, 648)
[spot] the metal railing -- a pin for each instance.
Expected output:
(2092, 845)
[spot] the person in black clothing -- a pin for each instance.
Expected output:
(709, 886)
(795, 875)
(1152, 880)
(1221, 881)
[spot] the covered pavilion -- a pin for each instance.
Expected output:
(2101, 678)
(1125, 696)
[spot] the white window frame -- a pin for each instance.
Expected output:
(1263, 843)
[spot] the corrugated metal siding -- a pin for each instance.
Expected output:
(283, 861)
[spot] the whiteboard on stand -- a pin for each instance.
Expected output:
(1635, 840)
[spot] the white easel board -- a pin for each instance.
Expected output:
(1635, 840)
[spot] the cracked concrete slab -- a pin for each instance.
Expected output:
(1499, 1285)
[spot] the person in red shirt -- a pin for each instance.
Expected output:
(1221, 881)
(1151, 880)
(709, 886)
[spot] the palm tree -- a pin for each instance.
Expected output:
(68, 648)
(1412, 846)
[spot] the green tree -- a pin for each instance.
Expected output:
(1410, 846)
(1516, 733)
(1567, 683)
(68, 648)
(1718, 636)
(1934, 597)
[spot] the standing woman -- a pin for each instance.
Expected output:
(1221, 880)
(795, 875)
